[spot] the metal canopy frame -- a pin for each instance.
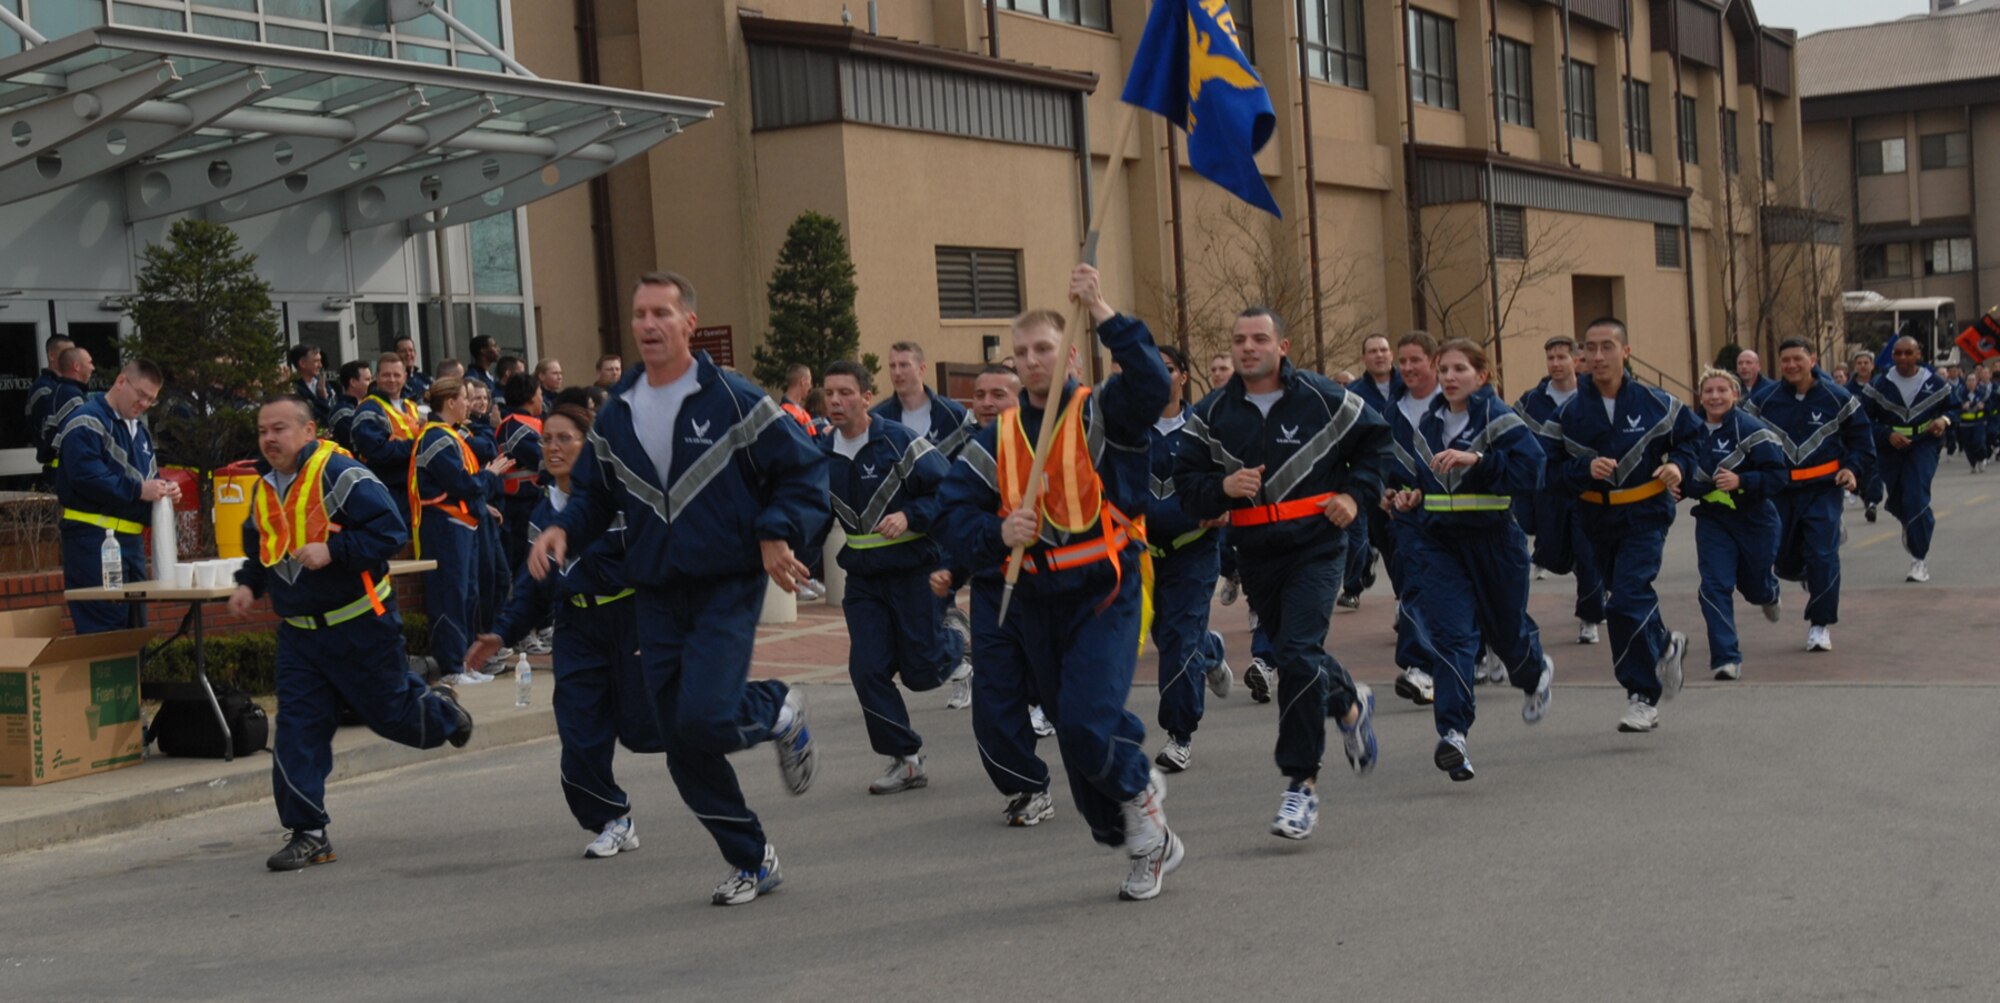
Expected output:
(228, 129)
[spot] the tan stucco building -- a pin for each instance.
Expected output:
(1459, 184)
(1903, 125)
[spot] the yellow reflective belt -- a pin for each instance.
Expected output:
(1906, 431)
(870, 541)
(1720, 497)
(586, 602)
(1179, 541)
(353, 610)
(1467, 503)
(126, 526)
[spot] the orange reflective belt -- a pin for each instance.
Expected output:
(374, 598)
(1625, 496)
(1284, 511)
(517, 481)
(1809, 473)
(1119, 530)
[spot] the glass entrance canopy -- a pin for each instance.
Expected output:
(229, 129)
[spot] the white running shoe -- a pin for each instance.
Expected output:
(1536, 705)
(1230, 590)
(539, 642)
(1669, 670)
(619, 836)
(1729, 671)
(1221, 679)
(1586, 632)
(1029, 808)
(1488, 669)
(1452, 758)
(1774, 609)
(905, 773)
(1640, 716)
(811, 590)
(1298, 812)
(467, 677)
(1919, 571)
(1149, 870)
(798, 760)
(1541, 573)
(1819, 639)
(1416, 686)
(1040, 722)
(1146, 817)
(744, 886)
(1175, 756)
(1262, 680)
(961, 686)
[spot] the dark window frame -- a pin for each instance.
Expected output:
(1580, 95)
(1093, 14)
(1927, 251)
(1767, 142)
(1514, 65)
(1341, 60)
(1639, 115)
(988, 294)
(1433, 57)
(1666, 246)
(1732, 154)
(1875, 262)
(1686, 121)
(1935, 153)
(1510, 233)
(1871, 157)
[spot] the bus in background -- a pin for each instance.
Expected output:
(1872, 320)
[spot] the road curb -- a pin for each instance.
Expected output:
(248, 780)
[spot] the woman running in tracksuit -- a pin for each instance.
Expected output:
(1471, 455)
(1186, 563)
(447, 492)
(1738, 468)
(600, 692)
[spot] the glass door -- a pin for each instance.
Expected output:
(24, 329)
(95, 330)
(329, 330)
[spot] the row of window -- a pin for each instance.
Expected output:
(1935, 257)
(1935, 152)
(359, 27)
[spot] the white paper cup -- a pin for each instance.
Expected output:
(183, 575)
(205, 574)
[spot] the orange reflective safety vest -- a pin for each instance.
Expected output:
(800, 415)
(403, 417)
(514, 481)
(286, 524)
(457, 510)
(1072, 493)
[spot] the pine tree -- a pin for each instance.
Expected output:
(205, 317)
(812, 302)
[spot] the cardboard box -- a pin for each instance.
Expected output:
(69, 706)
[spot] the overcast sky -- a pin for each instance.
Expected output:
(1808, 16)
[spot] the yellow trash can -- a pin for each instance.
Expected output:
(233, 485)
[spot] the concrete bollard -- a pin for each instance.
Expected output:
(780, 606)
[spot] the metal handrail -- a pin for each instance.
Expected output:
(1662, 377)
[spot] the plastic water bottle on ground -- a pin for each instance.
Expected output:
(112, 560)
(524, 680)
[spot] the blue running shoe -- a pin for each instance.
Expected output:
(797, 759)
(744, 886)
(1298, 812)
(1359, 740)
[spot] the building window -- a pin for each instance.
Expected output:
(1088, 13)
(1581, 88)
(1945, 149)
(1335, 51)
(1731, 162)
(1433, 59)
(1885, 261)
(1243, 11)
(1881, 156)
(1685, 125)
(1510, 232)
(1944, 257)
(978, 282)
(1767, 145)
(1639, 114)
(1666, 246)
(1516, 62)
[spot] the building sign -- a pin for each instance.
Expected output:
(717, 343)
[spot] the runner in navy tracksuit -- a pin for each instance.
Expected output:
(320, 534)
(1186, 563)
(1830, 444)
(1911, 409)
(719, 490)
(1289, 457)
(448, 488)
(883, 479)
(1550, 514)
(491, 580)
(1628, 445)
(1378, 384)
(1415, 655)
(1472, 456)
(1073, 619)
(1975, 396)
(948, 426)
(1738, 468)
(1860, 373)
(600, 692)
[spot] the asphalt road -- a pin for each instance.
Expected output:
(1772, 841)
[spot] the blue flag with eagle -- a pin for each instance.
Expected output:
(1191, 71)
